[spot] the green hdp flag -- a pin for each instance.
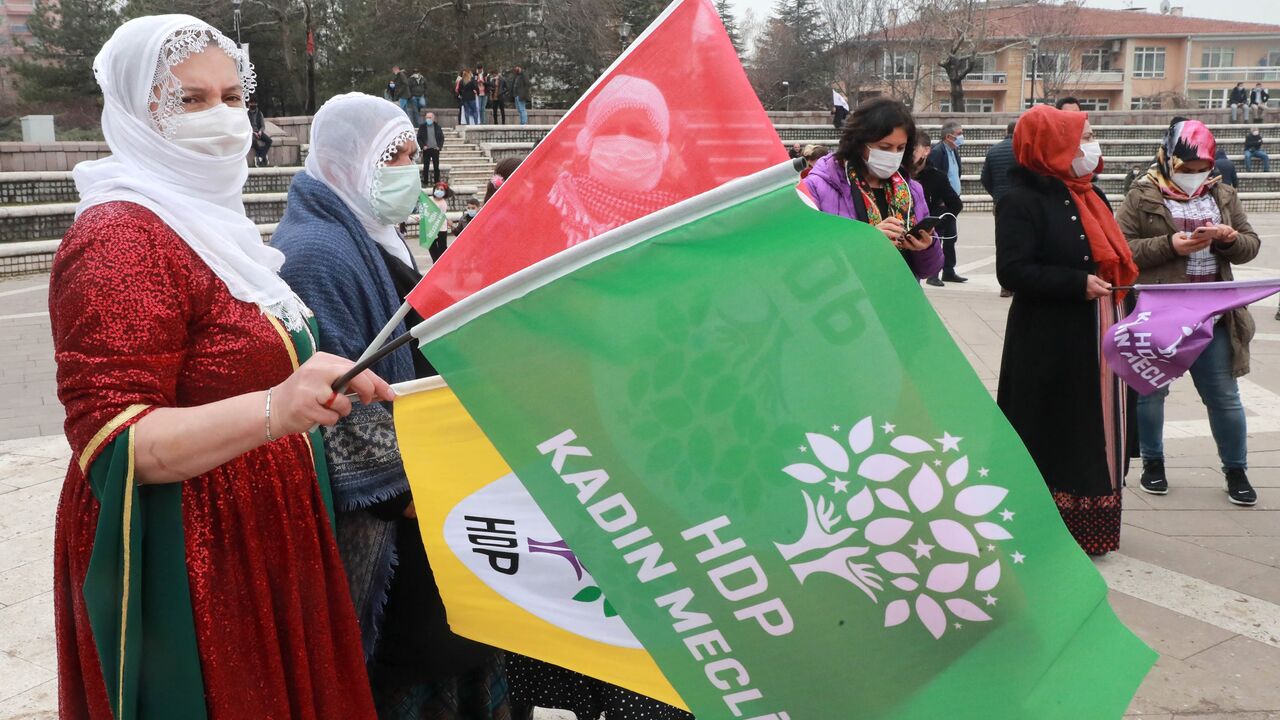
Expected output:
(749, 424)
(431, 219)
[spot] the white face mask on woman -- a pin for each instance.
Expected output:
(220, 131)
(882, 163)
(396, 194)
(1088, 162)
(1189, 183)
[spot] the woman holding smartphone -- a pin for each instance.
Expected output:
(865, 179)
(1184, 226)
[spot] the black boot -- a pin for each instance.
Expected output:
(1239, 491)
(1153, 478)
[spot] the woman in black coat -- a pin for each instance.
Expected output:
(1059, 249)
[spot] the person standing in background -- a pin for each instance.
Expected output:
(1060, 250)
(398, 89)
(840, 109)
(497, 87)
(482, 94)
(467, 90)
(1225, 167)
(520, 91)
(417, 96)
(1068, 103)
(995, 174)
(430, 142)
(1185, 226)
(945, 156)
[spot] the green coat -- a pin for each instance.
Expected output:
(1149, 228)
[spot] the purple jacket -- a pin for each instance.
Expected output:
(830, 189)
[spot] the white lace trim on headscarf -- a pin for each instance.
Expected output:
(198, 196)
(353, 137)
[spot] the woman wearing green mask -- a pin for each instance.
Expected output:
(344, 255)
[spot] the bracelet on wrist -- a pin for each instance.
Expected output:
(268, 416)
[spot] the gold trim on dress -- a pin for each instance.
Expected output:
(127, 541)
(107, 431)
(288, 340)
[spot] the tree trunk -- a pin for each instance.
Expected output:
(957, 94)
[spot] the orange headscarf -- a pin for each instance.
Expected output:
(1045, 142)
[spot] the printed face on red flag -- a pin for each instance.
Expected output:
(674, 117)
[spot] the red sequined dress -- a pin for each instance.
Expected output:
(140, 322)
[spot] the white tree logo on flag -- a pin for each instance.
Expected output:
(941, 573)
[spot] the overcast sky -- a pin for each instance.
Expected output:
(1264, 11)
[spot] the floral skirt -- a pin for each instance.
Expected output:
(1094, 522)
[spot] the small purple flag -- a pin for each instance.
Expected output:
(1171, 326)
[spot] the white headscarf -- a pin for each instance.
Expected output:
(353, 136)
(198, 196)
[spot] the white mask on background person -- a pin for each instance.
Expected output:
(438, 194)
(1189, 183)
(396, 194)
(959, 140)
(626, 162)
(220, 131)
(471, 212)
(1087, 163)
(882, 163)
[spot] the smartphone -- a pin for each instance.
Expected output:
(1203, 230)
(927, 224)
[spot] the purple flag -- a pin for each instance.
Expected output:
(1171, 326)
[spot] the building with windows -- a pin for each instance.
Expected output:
(13, 27)
(1109, 59)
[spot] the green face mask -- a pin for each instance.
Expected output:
(396, 194)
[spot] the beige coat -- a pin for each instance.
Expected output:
(1149, 228)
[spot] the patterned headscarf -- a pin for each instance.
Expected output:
(1185, 141)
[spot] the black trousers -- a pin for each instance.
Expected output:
(496, 105)
(430, 158)
(261, 144)
(439, 245)
(947, 231)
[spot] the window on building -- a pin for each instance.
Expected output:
(1273, 58)
(1145, 103)
(1096, 60)
(1050, 63)
(1216, 57)
(1090, 104)
(1148, 62)
(1210, 98)
(899, 66)
(971, 105)
(19, 29)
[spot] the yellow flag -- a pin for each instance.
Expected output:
(506, 576)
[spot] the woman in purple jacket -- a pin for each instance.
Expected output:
(864, 180)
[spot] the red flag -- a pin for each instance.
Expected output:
(673, 117)
(311, 43)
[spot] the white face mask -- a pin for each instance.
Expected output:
(958, 140)
(438, 193)
(626, 162)
(1189, 183)
(220, 131)
(396, 194)
(1087, 163)
(882, 163)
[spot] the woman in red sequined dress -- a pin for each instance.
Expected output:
(196, 573)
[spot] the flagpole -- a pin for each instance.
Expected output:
(1219, 285)
(385, 333)
(570, 259)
